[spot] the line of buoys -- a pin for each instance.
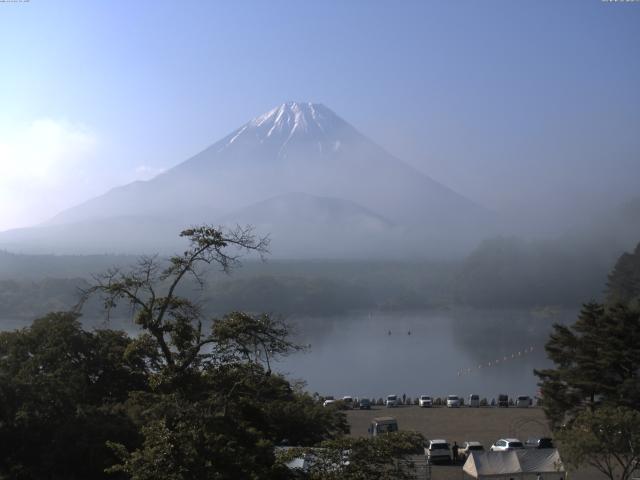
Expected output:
(497, 361)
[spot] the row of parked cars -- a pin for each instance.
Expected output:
(439, 450)
(454, 401)
(426, 401)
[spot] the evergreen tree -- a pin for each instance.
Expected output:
(597, 362)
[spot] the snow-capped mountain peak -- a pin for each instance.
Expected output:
(292, 122)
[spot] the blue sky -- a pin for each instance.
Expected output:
(521, 106)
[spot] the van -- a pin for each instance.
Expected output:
(438, 451)
(503, 400)
(474, 400)
(453, 401)
(523, 401)
(382, 425)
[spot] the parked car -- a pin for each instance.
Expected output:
(506, 444)
(425, 401)
(474, 400)
(503, 400)
(382, 425)
(523, 401)
(438, 451)
(453, 401)
(328, 401)
(468, 447)
(348, 401)
(392, 401)
(364, 404)
(544, 442)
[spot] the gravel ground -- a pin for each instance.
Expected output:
(485, 425)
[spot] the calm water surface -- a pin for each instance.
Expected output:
(434, 352)
(437, 353)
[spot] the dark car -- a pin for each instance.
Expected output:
(544, 442)
(503, 400)
(364, 404)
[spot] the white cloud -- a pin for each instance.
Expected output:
(43, 167)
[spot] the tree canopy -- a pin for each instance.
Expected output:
(596, 362)
(188, 397)
(607, 438)
(592, 394)
(62, 391)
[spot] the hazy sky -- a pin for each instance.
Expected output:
(517, 105)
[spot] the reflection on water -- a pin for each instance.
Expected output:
(433, 352)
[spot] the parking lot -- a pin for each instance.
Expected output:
(486, 425)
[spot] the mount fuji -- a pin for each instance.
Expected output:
(298, 172)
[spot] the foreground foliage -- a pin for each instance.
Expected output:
(592, 395)
(62, 396)
(608, 439)
(596, 363)
(187, 398)
(384, 457)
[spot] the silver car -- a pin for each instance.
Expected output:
(507, 444)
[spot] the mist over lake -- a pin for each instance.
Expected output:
(355, 355)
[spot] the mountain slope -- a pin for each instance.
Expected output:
(296, 147)
(302, 225)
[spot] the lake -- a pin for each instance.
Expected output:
(432, 352)
(457, 351)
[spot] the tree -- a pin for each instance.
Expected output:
(185, 398)
(61, 394)
(608, 439)
(215, 409)
(592, 395)
(171, 321)
(596, 363)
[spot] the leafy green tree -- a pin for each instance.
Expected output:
(61, 394)
(608, 439)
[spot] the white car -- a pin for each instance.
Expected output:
(438, 451)
(523, 401)
(453, 401)
(425, 401)
(392, 401)
(468, 447)
(507, 444)
(348, 401)
(328, 402)
(474, 400)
